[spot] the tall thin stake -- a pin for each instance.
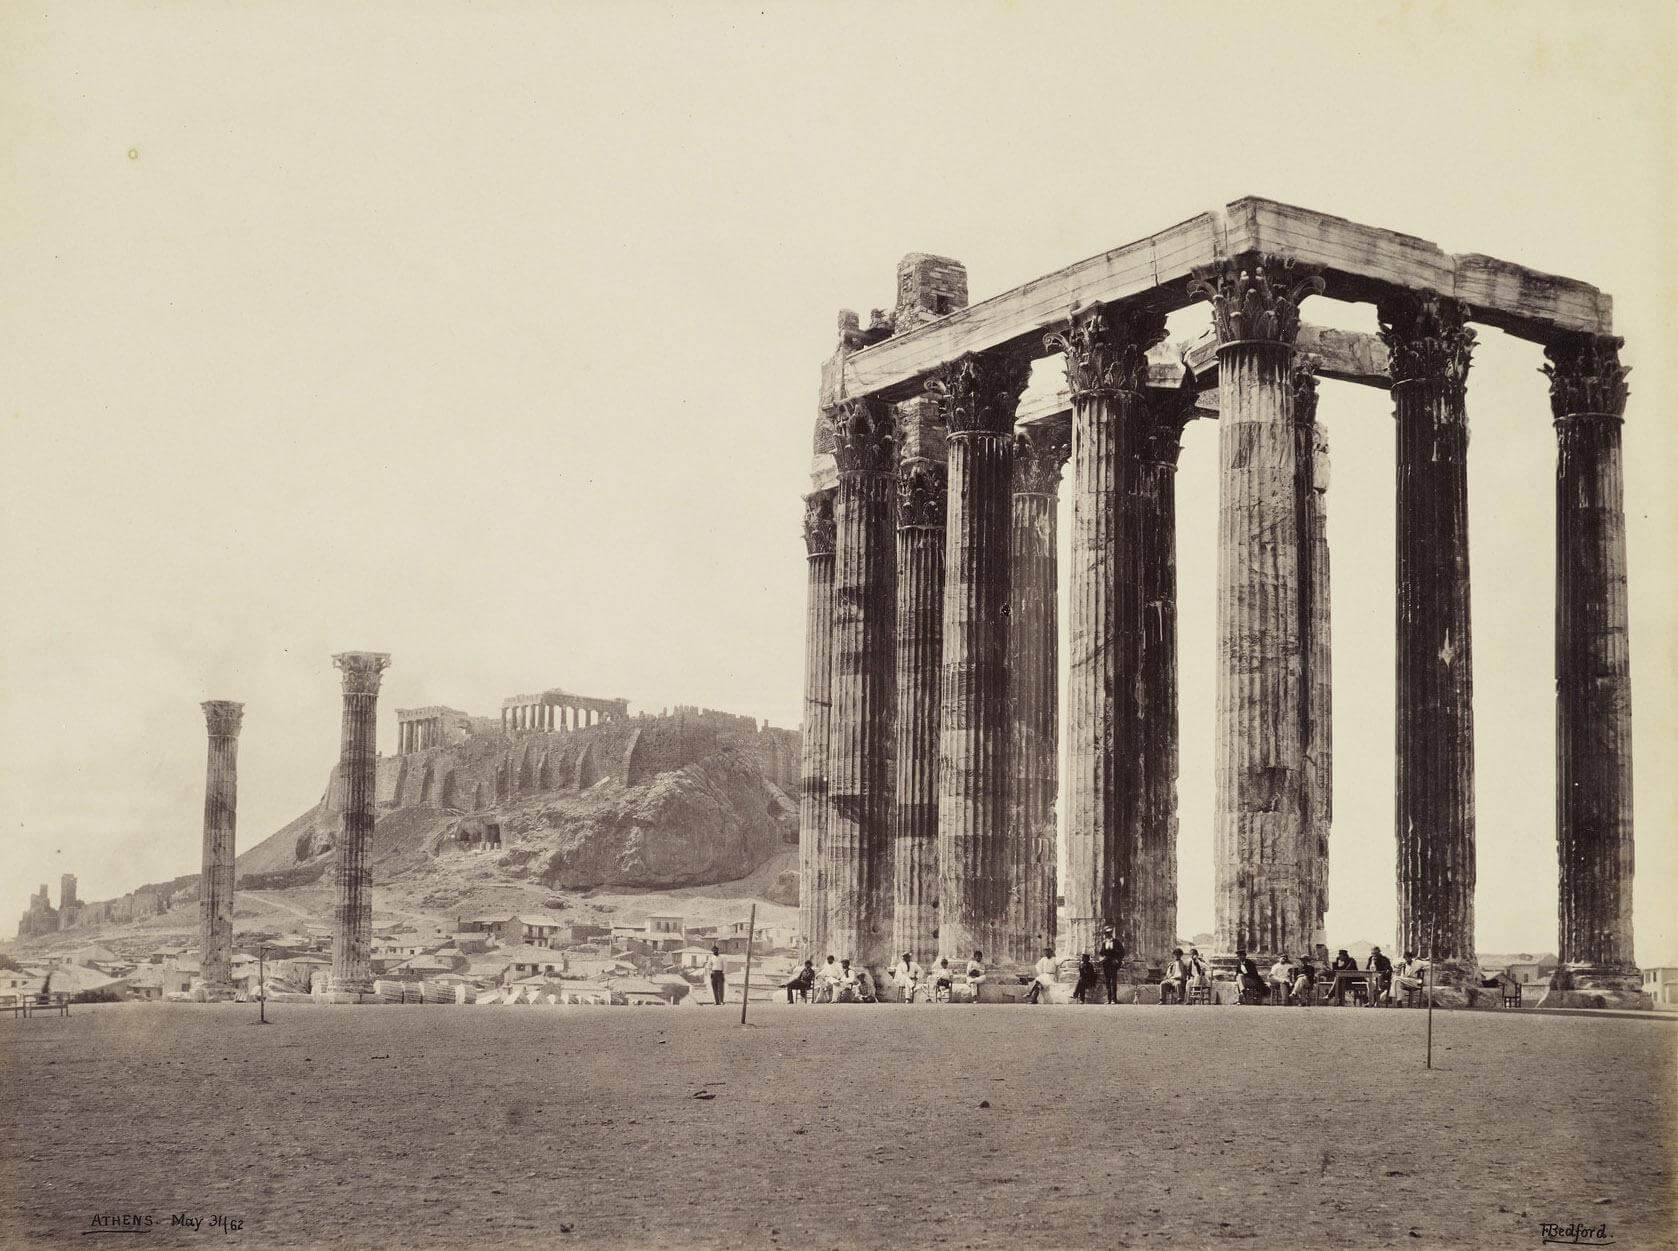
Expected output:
(1430, 1010)
(262, 985)
(746, 986)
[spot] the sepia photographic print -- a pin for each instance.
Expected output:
(838, 625)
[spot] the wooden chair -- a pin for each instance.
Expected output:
(1200, 993)
(1511, 994)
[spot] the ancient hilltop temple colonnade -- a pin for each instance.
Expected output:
(222, 719)
(931, 694)
(559, 710)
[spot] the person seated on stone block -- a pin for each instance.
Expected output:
(943, 978)
(1250, 986)
(976, 974)
(909, 978)
(1174, 985)
(850, 988)
(1086, 979)
(1408, 974)
(1381, 967)
(1045, 976)
(801, 982)
(827, 982)
(1281, 978)
(1304, 980)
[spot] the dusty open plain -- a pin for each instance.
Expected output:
(834, 1126)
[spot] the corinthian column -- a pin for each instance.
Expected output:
(977, 396)
(818, 669)
(1429, 346)
(1593, 666)
(1263, 578)
(1318, 659)
(1033, 676)
(920, 646)
(858, 845)
(352, 911)
(221, 805)
(1151, 811)
(1107, 374)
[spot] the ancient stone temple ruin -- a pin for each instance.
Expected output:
(930, 731)
(222, 719)
(352, 909)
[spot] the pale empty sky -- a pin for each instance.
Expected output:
(488, 335)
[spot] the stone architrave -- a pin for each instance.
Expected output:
(818, 669)
(857, 852)
(352, 910)
(1040, 454)
(1593, 669)
(921, 506)
(1263, 700)
(978, 396)
(222, 719)
(1106, 374)
(1429, 346)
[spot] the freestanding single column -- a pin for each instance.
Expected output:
(1034, 677)
(221, 805)
(858, 845)
(1429, 347)
(818, 677)
(978, 396)
(921, 506)
(1593, 667)
(1263, 704)
(1107, 374)
(352, 912)
(1151, 827)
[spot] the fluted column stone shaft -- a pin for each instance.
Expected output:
(978, 397)
(1429, 348)
(1319, 746)
(352, 911)
(818, 676)
(1263, 699)
(1107, 374)
(921, 508)
(1593, 666)
(857, 853)
(222, 719)
(1034, 677)
(1151, 813)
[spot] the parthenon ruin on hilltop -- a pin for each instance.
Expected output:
(930, 735)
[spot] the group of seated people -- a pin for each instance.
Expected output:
(1295, 981)
(839, 981)
(1288, 981)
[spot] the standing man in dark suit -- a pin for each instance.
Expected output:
(1112, 953)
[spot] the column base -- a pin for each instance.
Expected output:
(1596, 986)
(347, 990)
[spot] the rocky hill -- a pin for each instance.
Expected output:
(646, 804)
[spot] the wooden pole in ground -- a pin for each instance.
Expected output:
(1430, 1010)
(746, 986)
(262, 985)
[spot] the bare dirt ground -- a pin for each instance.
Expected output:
(845, 1126)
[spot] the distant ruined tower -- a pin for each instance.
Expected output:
(222, 719)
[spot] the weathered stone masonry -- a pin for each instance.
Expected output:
(1127, 398)
(222, 720)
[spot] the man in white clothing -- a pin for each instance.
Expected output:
(717, 969)
(910, 978)
(1046, 969)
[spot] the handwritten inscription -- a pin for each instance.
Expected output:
(1575, 1234)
